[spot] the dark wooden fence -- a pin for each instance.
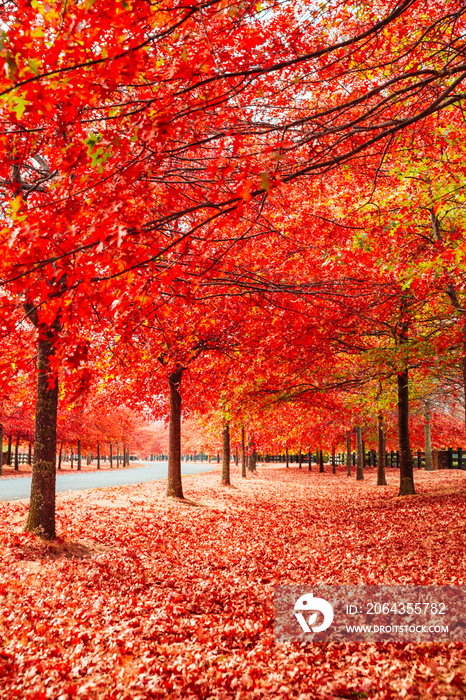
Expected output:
(441, 459)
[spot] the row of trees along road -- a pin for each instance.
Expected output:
(261, 202)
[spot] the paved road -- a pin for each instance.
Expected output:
(16, 489)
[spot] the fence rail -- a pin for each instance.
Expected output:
(441, 459)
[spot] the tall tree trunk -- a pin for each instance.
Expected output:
(252, 456)
(29, 452)
(236, 456)
(381, 481)
(226, 456)
(60, 455)
(17, 454)
(360, 462)
(428, 442)
(118, 456)
(348, 453)
(406, 458)
(41, 516)
(98, 455)
(111, 455)
(309, 468)
(300, 459)
(8, 454)
(243, 453)
(334, 470)
(72, 459)
(174, 485)
(287, 458)
(79, 455)
(1, 449)
(321, 461)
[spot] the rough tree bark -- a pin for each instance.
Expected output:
(309, 468)
(406, 458)
(360, 460)
(243, 453)
(111, 455)
(17, 454)
(174, 485)
(321, 461)
(41, 517)
(226, 456)
(98, 455)
(334, 470)
(348, 453)
(428, 442)
(300, 459)
(381, 480)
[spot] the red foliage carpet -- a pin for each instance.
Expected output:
(144, 597)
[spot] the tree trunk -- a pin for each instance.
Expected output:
(1, 449)
(72, 459)
(98, 455)
(60, 455)
(251, 457)
(236, 456)
(30, 452)
(41, 516)
(406, 458)
(8, 454)
(321, 461)
(226, 456)
(118, 456)
(111, 455)
(300, 459)
(243, 453)
(79, 455)
(17, 454)
(428, 442)
(287, 458)
(381, 481)
(334, 470)
(360, 462)
(174, 485)
(309, 468)
(348, 453)
(88, 458)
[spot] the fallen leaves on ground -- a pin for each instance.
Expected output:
(144, 597)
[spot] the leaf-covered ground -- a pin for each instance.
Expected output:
(148, 598)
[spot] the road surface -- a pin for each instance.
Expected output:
(17, 489)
